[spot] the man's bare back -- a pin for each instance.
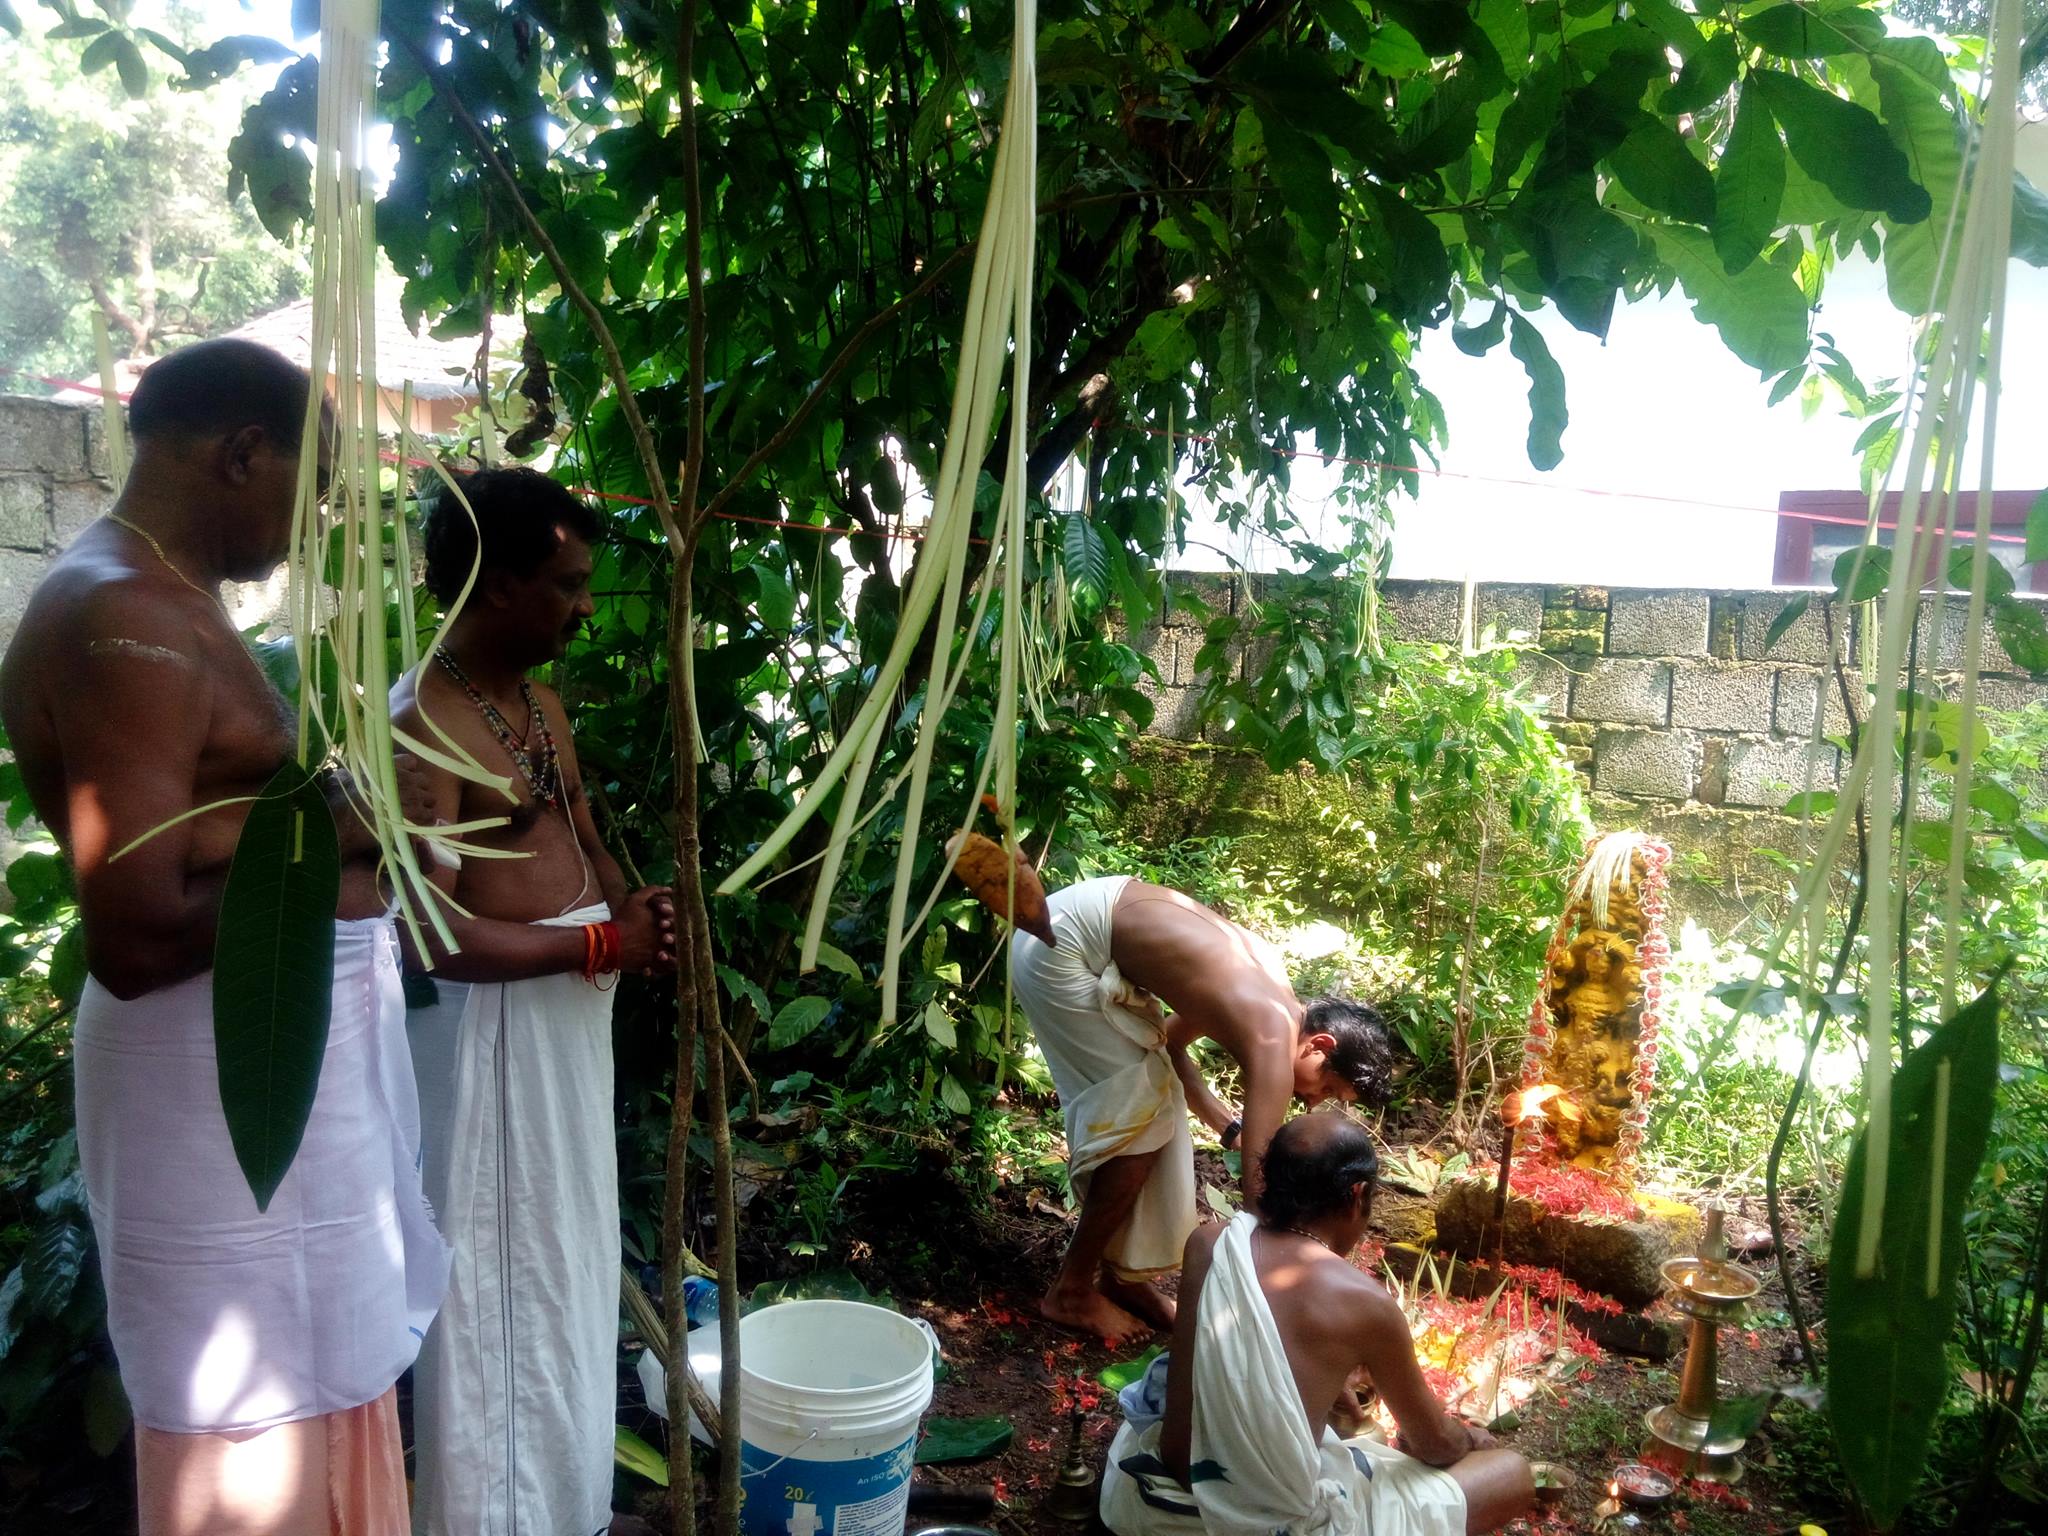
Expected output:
(1222, 982)
(130, 700)
(1340, 1328)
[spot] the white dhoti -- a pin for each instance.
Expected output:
(228, 1319)
(1105, 1041)
(516, 1392)
(1255, 1467)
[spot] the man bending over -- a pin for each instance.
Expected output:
(1126, 1083)
(516, 1391)
(1274, 1324)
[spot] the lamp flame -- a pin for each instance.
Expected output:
(1526, 1104)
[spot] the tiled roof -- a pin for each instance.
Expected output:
(436, 369)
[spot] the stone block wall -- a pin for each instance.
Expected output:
(1686, 722)
(1660, 696)
(53, 481)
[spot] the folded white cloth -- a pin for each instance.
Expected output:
(1105, 1041)
(517, 1387)
(516, 1392)
(1255, 1466)
(229, 1318)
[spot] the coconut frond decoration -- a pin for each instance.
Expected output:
(273, 960)
(998, 322)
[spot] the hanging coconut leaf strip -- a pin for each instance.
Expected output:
(996, 325)
(273, 974)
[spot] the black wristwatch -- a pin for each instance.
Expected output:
(1230, 1134)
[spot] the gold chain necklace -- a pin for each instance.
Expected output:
(158, 550)
(1299, 1232)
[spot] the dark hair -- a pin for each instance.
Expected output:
(1312, 1165)
(212, 388)
(518, 511)
(1363, 1055)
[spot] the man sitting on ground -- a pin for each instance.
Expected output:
(1275, 1323)
(1126, 1084)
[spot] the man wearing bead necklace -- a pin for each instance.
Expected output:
(514, 1397)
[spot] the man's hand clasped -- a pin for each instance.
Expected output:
(646, 922)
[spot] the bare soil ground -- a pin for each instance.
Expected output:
(977, 1276)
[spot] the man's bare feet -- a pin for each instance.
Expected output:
(1091, 1312)
(1142, 1298)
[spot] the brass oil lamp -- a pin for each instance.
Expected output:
(1710, 1290)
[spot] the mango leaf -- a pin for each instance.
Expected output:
(1661, 173)
(273, 974)
(1861, 573)
(2037, 529)
(1705, 78)
(963, 1439)
(1547, 415)
(1844, 147)
(1120, 1375)
(1478, 340)
(1750, 183)
(638, 1457)
(798, 1019)
(1888, 1331)
(107, 1416)
(2022, 632)
(1760, 312)
(1799, 32)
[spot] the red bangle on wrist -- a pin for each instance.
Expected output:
(603, 949)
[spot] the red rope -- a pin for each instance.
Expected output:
(1843, 520)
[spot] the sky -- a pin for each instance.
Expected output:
(1673, 461)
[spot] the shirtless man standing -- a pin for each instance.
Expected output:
(258, 1348)
(515, 1395)
(1276, 1327)
(1126, 1082)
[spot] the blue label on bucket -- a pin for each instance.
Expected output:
(787, 1496)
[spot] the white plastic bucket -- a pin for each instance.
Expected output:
(832, 1392)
